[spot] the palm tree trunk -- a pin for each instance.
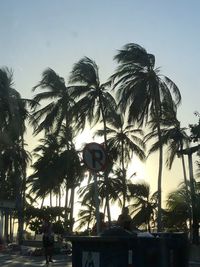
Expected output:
(159, 218)
(72, 209)
(158, 114)
(42, 203)
(149, 226)
(187, 192)
(11, 228)
(59, 201)
(66, 202)
(123, 176)
(56, 199)
(195, 224)
(22, 197)
(50, 198)
(59, 197)
(106, 172)
(184, 174)
(20, 210)
(6, 226)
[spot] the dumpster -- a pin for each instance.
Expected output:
(114, 248)
(119, 248)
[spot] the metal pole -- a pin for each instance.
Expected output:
(97, 203)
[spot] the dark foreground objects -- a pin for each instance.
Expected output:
(120, 248)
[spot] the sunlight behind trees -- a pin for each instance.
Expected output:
(133, 115)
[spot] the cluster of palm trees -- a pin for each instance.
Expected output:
(136, 99)
(13, 156)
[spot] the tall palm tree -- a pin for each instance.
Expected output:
(141, 87)
(124, 140)
(175, 138)
(94, 100)
(172, 135)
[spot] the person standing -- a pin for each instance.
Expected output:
(124, 219)
(48, 240)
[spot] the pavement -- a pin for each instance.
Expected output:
(14, 260)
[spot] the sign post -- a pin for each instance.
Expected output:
(94, 156)
(96, 202)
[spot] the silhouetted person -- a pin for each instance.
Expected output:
(48, 240)
(124, 219)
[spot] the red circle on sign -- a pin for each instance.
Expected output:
(94, 156)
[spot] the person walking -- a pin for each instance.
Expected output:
(48, 240)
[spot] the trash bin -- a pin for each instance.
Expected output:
(114, 248)
(119, 248)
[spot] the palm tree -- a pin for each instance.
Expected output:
(172, 135)
(178, 212)
(56, 115)
(45, 178)
(117, 187)
(123, 139)
(86, 216)
(115, 190)
(94, 100)
(56, 166)
(144, 204)
(175, 138)
(142, 89)
(59, 110)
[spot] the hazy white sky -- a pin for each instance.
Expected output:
(47, 33)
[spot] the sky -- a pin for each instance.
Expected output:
(47, 33)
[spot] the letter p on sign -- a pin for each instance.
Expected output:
(94, 156)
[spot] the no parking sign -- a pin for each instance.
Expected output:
(94, 156)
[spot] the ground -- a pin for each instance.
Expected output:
(8, 260)
(16, 260)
